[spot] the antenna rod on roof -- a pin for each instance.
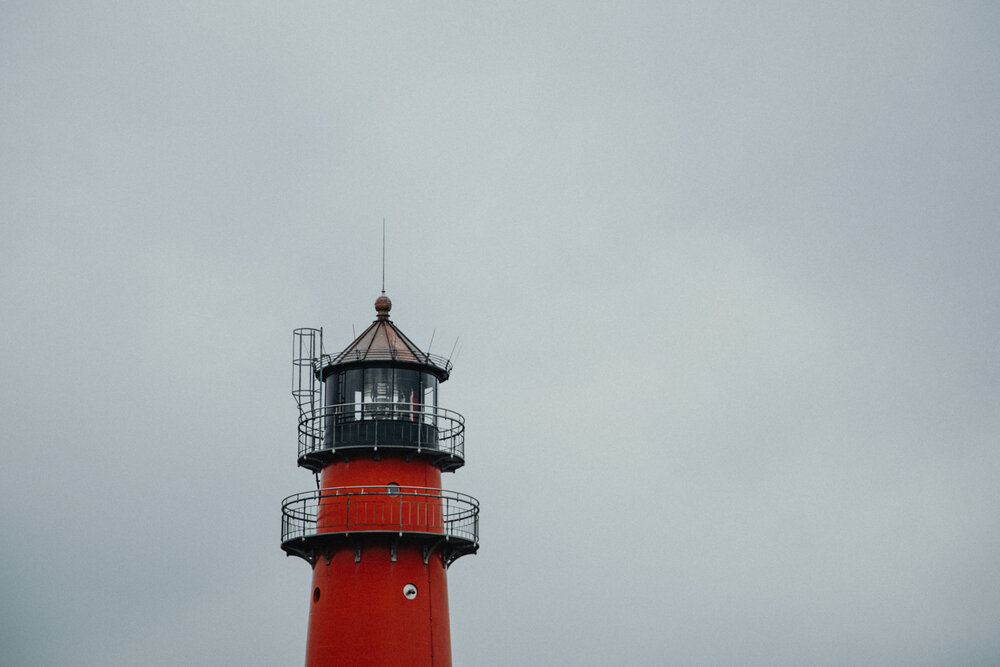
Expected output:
(453, 349)
(383, 254)
(434, 331)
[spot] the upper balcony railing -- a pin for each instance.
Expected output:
(408, 355)
(413, 511)
(422, 429)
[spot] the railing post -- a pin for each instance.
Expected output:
(420, 433)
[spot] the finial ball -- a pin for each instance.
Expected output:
(383, 305)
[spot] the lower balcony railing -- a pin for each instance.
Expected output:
(412, 511)
(404, 426)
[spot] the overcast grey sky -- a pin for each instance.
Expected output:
(725, 277)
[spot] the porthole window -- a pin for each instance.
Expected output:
(409, 591)
(316, 595)
(392, 488)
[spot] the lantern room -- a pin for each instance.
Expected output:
(380, 393)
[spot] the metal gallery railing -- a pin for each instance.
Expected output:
(374, 425)
(391, 354)
(353, 509)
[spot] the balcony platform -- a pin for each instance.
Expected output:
(318, 522)
(349, 430)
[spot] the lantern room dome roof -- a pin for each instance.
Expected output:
(383, 342)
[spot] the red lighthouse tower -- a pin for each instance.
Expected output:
(378, 531)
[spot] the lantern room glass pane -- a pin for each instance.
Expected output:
(345, 388)
(407, 389)
(378, 385)
(351, 385)
(429, 384)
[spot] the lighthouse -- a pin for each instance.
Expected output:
(378, 530)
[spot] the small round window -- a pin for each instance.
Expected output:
(393, 489)
(409, 591)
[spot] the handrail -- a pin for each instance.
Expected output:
(432, 427)
(345, 357)
(403, 510)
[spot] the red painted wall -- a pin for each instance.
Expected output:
(380, 472)
(362, 617)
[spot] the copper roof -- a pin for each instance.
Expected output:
(383, 341)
